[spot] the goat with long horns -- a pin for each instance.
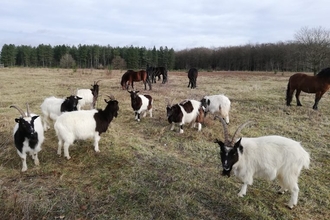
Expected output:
(268, 157)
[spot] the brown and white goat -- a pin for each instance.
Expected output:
(141, 104)
(186, 112)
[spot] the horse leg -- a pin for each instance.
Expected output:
(145, 85)
(318, 96)
(297, 97)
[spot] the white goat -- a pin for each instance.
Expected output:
(53, 107)
(88, 96)
(217, 103)
(267, 157)
(84, 124)
(28, 136)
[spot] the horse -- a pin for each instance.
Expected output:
(154, 72)
(318, 84)
(192, 75)
(131, 76)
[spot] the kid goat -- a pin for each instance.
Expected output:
(188, 111)
(141, 103)
(53, 107)
(217, 103)
(28, 135)
(268, 157)
(81, 125)
(88, 96)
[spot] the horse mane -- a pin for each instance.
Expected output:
(325, 73)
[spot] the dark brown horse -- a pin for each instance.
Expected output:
(131, 76)
(317, 84)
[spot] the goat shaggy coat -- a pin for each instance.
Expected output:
(270, 157)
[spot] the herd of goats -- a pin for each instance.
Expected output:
(270, 157)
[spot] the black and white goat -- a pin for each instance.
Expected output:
(84, 124)
(217, 103)
(267, 157)
(186, 112)
(88, 96)
(28, 135)
(141, 104)
(53, 107)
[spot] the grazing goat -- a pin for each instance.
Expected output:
(88, 96)
(28, 135)
(192, 76)
(53, 107)
(84, 124)
(185, 112)
(141, 104)
(217, 103)
(268, 157)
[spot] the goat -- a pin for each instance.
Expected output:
(185, 112)
(88, 96)
(84, 124)
(141, 104)
(28, 135)
(53, 107)
(268, 157)
(217, 103)
(192, 76)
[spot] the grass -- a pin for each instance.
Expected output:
(146, 171)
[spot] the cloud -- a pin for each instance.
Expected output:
(175, 24)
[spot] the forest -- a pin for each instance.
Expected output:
(309, 52)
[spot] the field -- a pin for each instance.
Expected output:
(146, 171)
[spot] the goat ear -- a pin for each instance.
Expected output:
(221, 144)
(239, 146)
(35, 117)
(208, 102)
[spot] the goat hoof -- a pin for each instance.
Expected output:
(290, 206)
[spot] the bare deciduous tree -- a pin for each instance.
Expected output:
(315, 46)
(67, 61)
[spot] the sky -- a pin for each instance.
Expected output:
(177, 24)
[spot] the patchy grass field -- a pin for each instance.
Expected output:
(146, 171)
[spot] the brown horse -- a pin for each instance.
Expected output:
(317, 84)
(131, 76)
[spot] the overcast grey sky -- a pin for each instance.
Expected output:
(177, 24)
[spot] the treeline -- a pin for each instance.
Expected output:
(85, 56)
(281, 56)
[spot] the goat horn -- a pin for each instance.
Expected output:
(19, 109)
(239, 130)
(95, 83)
(225, 129)
(28, 110)
(111, 97)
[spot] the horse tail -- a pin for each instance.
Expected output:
(288, 96)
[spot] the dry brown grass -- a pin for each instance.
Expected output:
(146, 171)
